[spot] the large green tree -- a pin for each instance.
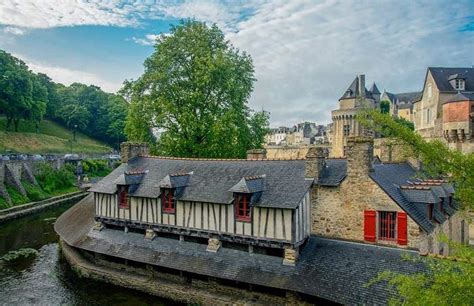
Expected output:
(195, 91)
(451, 280)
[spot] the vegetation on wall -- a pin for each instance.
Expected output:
(27, 96)
(451, 281)
(195, 91)
(54, 181)
(96, 167)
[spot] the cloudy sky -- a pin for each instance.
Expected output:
(305, 52)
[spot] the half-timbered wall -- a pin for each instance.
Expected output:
(291, 225)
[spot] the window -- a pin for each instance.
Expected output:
(387, 225)
(347, 129)
(242, 206)
(123, 197)
(459, 84)
(428, 115)
(430, 211)
(168, 201)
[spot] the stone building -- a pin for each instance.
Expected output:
(401, 104)
(358, 199)
(441, 85)
(344, 118)
(458, 122)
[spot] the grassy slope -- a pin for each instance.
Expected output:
(53, 138)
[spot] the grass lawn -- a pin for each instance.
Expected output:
(52, 138)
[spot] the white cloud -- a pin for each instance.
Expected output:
(148, 40)
(13, 30)
(68, 76)
(305, 52)
(41, 14)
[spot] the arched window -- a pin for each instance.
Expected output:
(168, 201)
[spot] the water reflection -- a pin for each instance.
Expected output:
(48, 279)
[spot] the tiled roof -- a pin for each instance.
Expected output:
(389, 177)
(333, 173)
(250, 184)
(211, 180)
(442, 77)
(353, 91)
(465, 96)
(333, 270)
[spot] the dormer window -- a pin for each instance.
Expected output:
(242, 206)
(168, 201)
(123, 197)
(459, 84)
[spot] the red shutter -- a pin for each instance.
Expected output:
(402, 228)
(369, 225)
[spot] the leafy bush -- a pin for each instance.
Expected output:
(16, 197)
(34, 193)
(53, 181)
(96, 167)
(3, 203)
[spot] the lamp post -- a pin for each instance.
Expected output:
(74, 132)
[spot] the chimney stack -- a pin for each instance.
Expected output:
(257, 154)
(359, 153)
(129, 150)
(361, 82)
(315, 162)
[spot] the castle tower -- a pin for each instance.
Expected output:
(344, 118)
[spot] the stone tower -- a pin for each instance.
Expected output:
(344, 118)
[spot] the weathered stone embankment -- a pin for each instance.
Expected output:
(173, 287)
(34, 207)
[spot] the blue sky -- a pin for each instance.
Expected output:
(305, 52)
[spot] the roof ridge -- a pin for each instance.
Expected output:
(219, 159)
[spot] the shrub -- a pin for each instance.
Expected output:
(3, 203)
(34, 193)
(53, 181)
(96, 167)
(16, 197)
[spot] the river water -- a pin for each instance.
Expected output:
(48, 280)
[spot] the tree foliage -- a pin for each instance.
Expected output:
(385, 107)
(451, 281)
(195, 90)
(29, 96)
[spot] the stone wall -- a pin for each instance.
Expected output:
(390, 150)
(338, 212)
(129, 150)
(286, 152)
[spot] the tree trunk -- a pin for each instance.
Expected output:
(16, 121)
(9, 122)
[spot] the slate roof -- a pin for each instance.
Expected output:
(333, 173)
(442, 76)
(404, 97)
(389, 177)
(249, 184)
(464, 96)
(285, 184)
(333, 270)
(374, 89)
(353, 91)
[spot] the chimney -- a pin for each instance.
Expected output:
(129, 150)
(359, 153)
(361, 82)
(315, 162)
(257, 154)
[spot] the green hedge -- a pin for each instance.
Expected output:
(96, 167)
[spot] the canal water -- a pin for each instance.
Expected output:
(47, 279)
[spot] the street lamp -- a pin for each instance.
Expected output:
(74, 132)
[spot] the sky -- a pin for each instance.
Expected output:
(305, 53)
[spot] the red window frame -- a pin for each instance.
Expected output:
(387, 225)
(242, 207)
(168, 201)
(123, 198)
